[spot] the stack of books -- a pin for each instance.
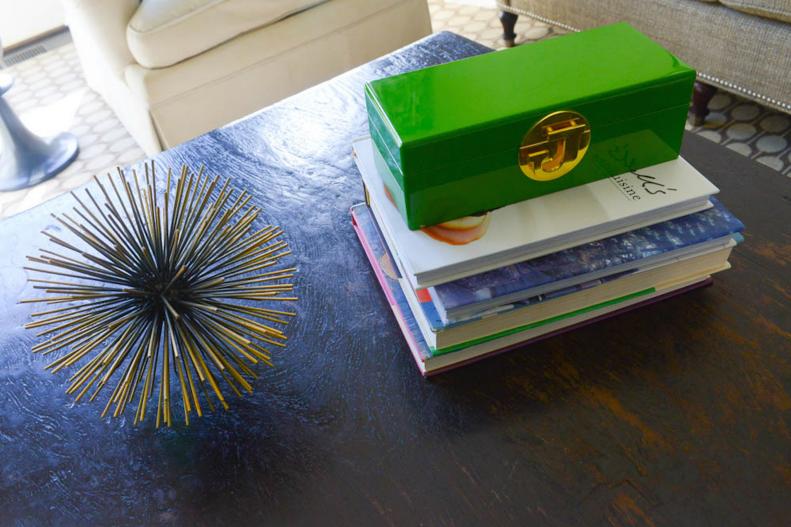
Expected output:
(481, 285)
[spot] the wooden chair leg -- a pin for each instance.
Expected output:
(700, 102)
(508, 20)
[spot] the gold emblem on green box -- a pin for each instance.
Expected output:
(554, 145)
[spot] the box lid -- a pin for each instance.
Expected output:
(440, 107)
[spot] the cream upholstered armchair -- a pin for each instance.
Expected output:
(173, 69)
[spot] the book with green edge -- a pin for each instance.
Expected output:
(540, 323)
(442, 338)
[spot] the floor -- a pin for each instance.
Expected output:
(51, 95)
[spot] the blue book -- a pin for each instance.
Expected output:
(436, 322)
(565, 270)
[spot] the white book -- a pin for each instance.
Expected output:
(538, 226)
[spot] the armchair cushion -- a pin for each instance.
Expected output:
(774, 9)
(164, 32)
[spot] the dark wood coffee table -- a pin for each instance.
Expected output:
(677, 414)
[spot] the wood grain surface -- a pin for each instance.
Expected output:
(677, 414)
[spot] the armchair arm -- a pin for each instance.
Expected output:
(98, 28)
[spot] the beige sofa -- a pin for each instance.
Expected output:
(173, 69)
(743, 46)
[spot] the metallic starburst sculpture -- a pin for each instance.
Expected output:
(161, 294)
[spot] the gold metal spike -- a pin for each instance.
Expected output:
(166, 288)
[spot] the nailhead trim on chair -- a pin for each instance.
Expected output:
(769, 101)
(519, 11)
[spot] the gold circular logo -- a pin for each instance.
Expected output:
(555, 145)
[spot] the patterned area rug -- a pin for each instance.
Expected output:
(748, 128)
(50, 95)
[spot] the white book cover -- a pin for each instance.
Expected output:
(534, 227)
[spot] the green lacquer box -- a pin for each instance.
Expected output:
(483, 132)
